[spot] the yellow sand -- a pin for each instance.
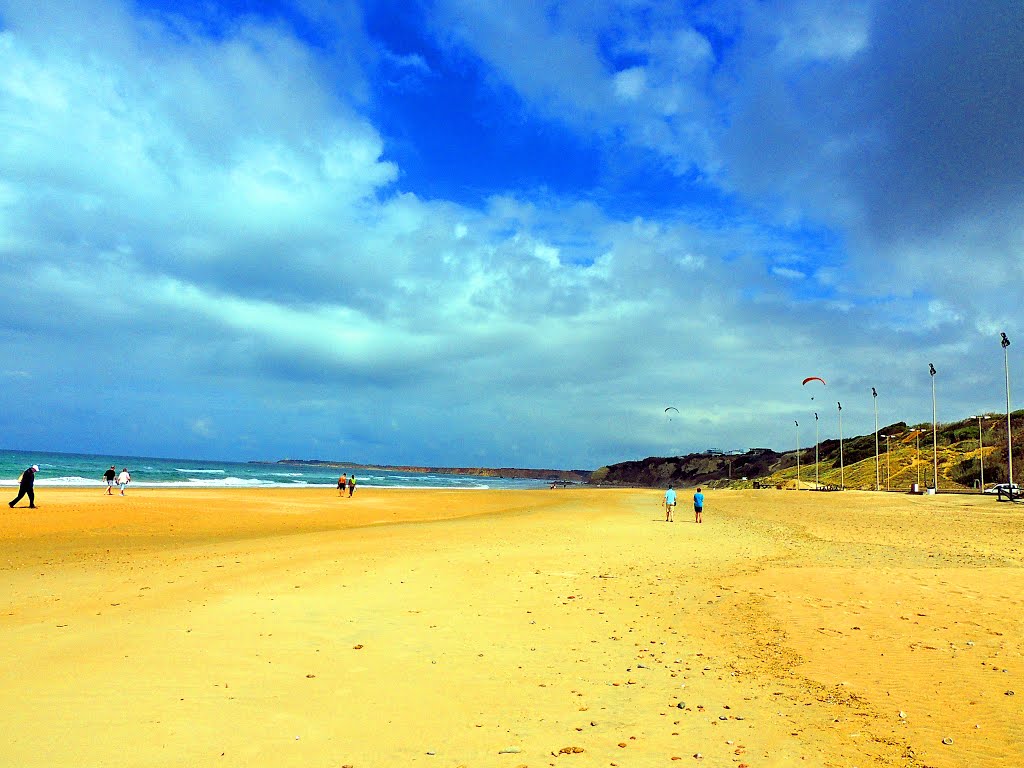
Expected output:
(526, 628)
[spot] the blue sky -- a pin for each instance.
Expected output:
(481, 233)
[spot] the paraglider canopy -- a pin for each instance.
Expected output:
(813, 378)
(671, 408)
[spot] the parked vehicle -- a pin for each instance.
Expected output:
(1004, 488)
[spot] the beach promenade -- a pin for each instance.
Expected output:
(566, 628)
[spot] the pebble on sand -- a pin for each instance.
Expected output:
(509, 751)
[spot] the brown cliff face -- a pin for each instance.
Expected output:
(552, 475)
(694, 469)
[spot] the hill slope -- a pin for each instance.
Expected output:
(909, 459)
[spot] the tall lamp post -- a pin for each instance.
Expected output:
(797, 454)
(842, 471)
(1009, 432)
(815, 451)
(874, 396)
(935, 432)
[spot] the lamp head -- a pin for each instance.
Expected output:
(931, 369)
(873, 392)
(1004, 341)
(840, 405)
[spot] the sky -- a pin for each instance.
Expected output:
(472, 233)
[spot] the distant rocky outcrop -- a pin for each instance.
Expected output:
(693, 469)
(550, 475)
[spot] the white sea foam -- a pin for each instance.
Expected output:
(72, 480)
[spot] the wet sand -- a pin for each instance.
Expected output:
(527, 628)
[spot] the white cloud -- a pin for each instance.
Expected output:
(788, 273)
(630, 83)
(219, 213)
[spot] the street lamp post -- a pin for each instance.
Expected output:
(815, 451)
(1009, 432)
(935, 432)
(874, 396)
(842, 471)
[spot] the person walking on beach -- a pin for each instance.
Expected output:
(698, 506)
(109, 476)
(26, 487)
(670, 504)
(123, 479)
(342, 482)
(351, 485)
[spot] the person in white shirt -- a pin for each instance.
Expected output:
(123, 479)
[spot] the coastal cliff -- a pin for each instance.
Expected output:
(692, 469)
(552, 475)
(961, 455)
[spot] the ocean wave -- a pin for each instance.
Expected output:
(478, 487)
(200, 471)
(72, 480)
(232, 482)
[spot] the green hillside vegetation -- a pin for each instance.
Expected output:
(909, 460)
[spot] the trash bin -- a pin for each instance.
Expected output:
(915, 488)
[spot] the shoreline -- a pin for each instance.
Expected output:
(415, 627)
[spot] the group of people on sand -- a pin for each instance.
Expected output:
(27, 483)
(112, 477)
(348, 482)
(670, 505)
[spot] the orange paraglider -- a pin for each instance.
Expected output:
(813, 378)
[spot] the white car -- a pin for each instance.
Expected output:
(1004, 488)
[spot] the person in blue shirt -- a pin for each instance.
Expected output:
(698, 506)
(670, 504)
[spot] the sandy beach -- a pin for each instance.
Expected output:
(515, 628)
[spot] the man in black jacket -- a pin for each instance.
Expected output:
(26, 488)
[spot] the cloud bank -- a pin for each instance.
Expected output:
(217, 238)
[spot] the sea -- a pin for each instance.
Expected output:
(79, 470)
